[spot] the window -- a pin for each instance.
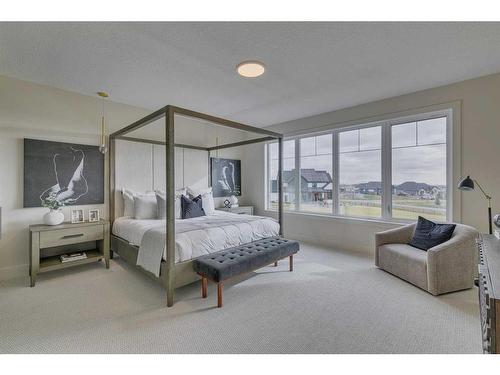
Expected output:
(288, 168)
(316, 174)
(419, 169)
(392, 169)
(360, 181)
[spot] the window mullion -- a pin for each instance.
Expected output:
(298, 195)
(449, 168)
(386, 172)
(267, 190)
(335, 173)
(269, 185)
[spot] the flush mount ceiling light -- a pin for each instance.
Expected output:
(250, 69)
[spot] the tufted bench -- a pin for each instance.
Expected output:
(225, 264)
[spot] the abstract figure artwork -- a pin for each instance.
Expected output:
(226, 177)
(68, 173)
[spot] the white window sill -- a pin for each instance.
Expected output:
(345, 218)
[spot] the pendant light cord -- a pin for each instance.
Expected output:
(103, 128)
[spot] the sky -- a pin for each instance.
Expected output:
(419, 153)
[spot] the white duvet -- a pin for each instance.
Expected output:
(195, 237)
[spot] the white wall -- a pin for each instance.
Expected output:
(29, 110)
(140, 167)
(478, 103)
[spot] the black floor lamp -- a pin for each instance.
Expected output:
(468, 184)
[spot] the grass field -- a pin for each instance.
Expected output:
(374, 212)
(419, 202)
(353, 210)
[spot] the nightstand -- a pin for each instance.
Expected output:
(246, 210)
(48, 242)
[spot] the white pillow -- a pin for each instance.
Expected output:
(207, 198)
(145, 207)
(161, 197)
(161, 205)
(128, 203)
(128, 200)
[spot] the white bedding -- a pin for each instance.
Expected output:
(201, 235)
(132, 230)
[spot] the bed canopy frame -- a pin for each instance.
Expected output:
(174, 274)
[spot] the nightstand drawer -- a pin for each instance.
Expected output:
(246, 210)
(242, 210)
(69, 236)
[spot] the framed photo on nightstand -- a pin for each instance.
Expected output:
(77, 216)
(94, 215)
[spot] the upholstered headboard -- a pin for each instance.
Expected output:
(141, 167)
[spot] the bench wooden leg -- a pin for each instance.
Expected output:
(291, 263)
(203, 287)
(219, 294)
(276, 264)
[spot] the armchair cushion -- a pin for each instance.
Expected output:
(429, 234)
(405, 262)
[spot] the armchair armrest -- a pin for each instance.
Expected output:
(453, 262)
(396, 235)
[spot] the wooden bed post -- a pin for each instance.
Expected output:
(170, 185)
(280, 184)
(111, 180)
(111, 185)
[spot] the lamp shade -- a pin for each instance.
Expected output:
(466, 184)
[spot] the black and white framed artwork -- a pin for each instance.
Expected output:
(225, 176)
(72, 174)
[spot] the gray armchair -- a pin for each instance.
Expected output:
(445, 268)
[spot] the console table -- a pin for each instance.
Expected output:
(48, 242)
(489, 292)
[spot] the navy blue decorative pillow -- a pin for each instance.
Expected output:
(191, 207)
(429, 234)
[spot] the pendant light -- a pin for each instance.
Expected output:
(103, 148)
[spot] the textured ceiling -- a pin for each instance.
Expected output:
(312, 67)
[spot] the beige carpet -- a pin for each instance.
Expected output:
(333, 302)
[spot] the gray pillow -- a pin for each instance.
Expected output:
(145, 207)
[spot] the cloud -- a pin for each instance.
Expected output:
(419, 161)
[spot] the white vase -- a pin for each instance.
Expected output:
(233, 200)
(53, 217)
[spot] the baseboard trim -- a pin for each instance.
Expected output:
(329, 244)
(21, 270)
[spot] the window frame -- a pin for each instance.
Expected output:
(386, 164)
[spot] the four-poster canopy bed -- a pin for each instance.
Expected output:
(175, 274)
